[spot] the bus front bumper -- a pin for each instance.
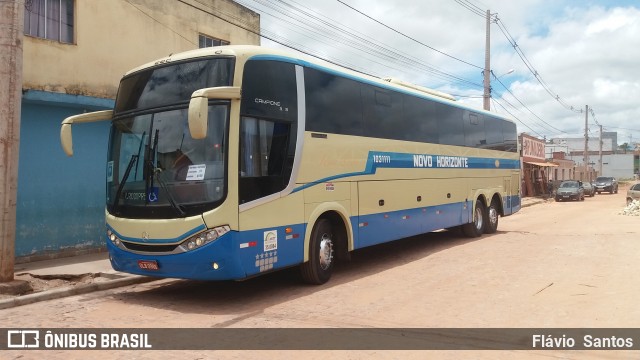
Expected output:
(213, 261)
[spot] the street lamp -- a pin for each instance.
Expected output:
(510, 71)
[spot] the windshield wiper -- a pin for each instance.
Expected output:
(154, 175)
(134, 159)
(172, 201)
(150, 166)
(135, 176)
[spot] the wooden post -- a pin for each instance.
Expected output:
(11, 28)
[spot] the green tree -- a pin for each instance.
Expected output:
(625, 147)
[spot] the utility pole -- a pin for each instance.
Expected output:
(586, 143)
(11, 28)
(600, 154)
(487, 65)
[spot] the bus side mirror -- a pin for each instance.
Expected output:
(66, 138)
(199, 107)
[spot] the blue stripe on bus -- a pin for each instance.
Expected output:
(391, 160)
(388, 226)
(159, 241)
(394, 225)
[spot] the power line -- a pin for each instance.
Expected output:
(406, 36)
(529, 65)
(318, 27)
(526, 107)
(515, 117)
(495, 19)
(159, 22)
(471, 7)
(267, 37)
(478, 11)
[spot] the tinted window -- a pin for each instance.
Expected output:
(510, 135)
(474, 134)
(264, 160)
(268, 128)
(571, 184)
(172, 84)
(451, 127)
(419, 120)
(495, 137)
(269, 90)
(343, 106)
(383, 113)
(333, 103)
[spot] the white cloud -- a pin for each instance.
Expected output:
(585, 53)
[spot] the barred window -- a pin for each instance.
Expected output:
(49, 19)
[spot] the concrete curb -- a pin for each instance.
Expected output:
(73, 290)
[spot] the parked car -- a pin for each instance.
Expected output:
(633, 193)
(570, 190)
(589, 189)
(606, 183)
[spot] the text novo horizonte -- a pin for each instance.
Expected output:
(422, 161)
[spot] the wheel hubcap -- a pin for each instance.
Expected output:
(479, 219)
(326, 251)
(493, 215)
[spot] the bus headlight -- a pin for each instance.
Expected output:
(203, 238)
(113, 237)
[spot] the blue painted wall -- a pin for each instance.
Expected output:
(61, 200)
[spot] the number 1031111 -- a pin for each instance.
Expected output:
(382, 159)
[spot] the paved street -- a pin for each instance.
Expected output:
(569, 264)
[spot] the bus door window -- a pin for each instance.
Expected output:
(264, 146)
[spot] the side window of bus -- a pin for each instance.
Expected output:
(420, 119)
(264, 157)
(450, 124)
(383, 113)
(474, 131)
(510, 136)
(495, 137)
(333, 103)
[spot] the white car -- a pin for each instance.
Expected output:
(633, 193)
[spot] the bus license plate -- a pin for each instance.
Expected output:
(148, 265)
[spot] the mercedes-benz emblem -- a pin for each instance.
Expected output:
(145, 236)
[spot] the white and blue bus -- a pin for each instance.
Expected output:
(234, 161)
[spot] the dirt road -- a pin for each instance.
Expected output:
(569, 264)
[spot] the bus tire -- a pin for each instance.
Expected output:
(476, 227)
(318, 269)
(493, 214)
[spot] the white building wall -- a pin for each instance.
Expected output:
(619, 166)
(577, 144)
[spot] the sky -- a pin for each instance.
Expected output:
(584, 52)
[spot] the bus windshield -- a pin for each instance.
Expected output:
(155, 169)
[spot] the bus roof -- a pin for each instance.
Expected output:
(249, 51)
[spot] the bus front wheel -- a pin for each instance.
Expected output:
(475, 228)
(321, 248)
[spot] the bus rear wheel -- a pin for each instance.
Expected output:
(476, 227)
(491, 225)
(321, 248)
